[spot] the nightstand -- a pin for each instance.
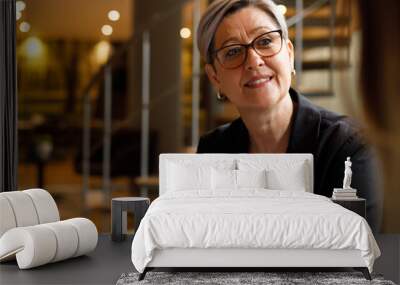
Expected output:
(119, 208)
(357, 205)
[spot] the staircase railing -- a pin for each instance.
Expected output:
(105, 72)
(297, 21)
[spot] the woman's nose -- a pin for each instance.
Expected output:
(254, 60)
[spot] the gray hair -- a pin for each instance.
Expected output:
(219, 9)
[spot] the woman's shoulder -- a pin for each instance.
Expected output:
(344, 128)
(344, 132)
(329, 129)
(330, 121)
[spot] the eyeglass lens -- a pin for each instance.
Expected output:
(266, 45)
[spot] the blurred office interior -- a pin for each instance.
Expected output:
(105, 86)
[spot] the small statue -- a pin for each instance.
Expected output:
(347, 174)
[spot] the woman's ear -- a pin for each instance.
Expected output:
(290, 49)
(212, 76)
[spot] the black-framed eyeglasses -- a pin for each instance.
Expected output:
(266, 45)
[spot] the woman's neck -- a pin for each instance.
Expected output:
(269, 130)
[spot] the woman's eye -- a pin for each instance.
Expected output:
(264, 42)
(232, 52)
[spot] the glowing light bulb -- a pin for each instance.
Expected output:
(102, 51)
(107, 30)
(185, 33)
(24, 27)
(34, 47)
(113, 15)
(20, 6)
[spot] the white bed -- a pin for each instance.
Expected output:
(242, 210)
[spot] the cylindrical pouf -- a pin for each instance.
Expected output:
(67, 239)
(40, 244)
(7, 218)
(34, 245)
(23, 208)
(45, 205)
(87, 235)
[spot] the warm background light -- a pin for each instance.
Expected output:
(282, 9)
(20, 6)
(33, 47)
(185, 33)
(24, 27)
(113, 15)
(34, 54)
(101, 52)
(107, 30)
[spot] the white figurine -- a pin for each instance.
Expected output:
(347, 174)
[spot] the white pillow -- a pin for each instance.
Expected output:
(282, 174)
(293, 179)
(223, 179)
(251, 178)
(199, 161)
(181, 177)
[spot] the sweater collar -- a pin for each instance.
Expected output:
(305, 127)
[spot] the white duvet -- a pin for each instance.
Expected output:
(252, 218)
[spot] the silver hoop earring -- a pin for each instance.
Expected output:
(293, 72)
(221, 97)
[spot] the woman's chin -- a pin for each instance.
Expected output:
(261, 99)
(268, 90)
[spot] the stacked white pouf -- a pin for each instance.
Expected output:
(31, 230)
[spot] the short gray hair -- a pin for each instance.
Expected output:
(219, 9)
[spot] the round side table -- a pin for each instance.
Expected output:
(119, 208)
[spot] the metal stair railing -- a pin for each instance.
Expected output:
(297, 21)
(105, 71)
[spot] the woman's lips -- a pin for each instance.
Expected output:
(258, 82)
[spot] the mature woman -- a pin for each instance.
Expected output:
(250, 62)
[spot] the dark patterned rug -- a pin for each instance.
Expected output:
(229, 278)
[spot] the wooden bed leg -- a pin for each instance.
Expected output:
(142, 275)
(364, 271)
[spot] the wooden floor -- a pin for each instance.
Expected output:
(65, 185)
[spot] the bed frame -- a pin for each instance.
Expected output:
(250, 259)
(236, 259)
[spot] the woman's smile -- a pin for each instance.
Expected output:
(258, 81)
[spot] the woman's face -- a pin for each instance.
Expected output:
(242, 85)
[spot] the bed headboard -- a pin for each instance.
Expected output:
(239, 161)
